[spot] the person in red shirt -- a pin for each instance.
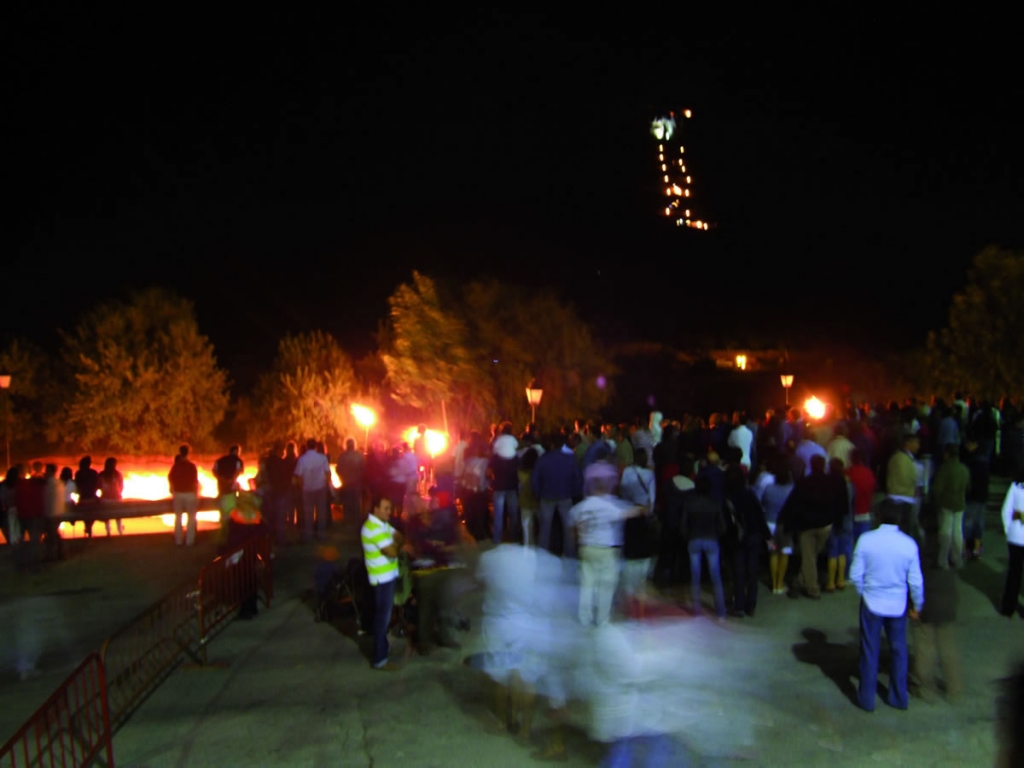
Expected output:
(184, 483)
(863, 481)
(31, 505)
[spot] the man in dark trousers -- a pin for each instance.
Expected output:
(885, 563)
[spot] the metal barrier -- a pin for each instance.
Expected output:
(229, 581)
(72, 728)
(140, 654)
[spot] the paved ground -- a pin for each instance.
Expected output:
(295, 692)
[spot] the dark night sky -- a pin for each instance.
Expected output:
(287, 174)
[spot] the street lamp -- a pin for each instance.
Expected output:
(787, 382)
(5, 385)
(533, 396)
(365, 418)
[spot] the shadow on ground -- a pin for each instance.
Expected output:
(838, 661)
(986, 579)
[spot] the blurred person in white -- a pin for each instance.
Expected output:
(509, 576)
(1013, 525)
(652, 710)
(637, 486)
(597, 523)
(530, 638)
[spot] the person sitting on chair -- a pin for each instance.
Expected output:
(434, 535)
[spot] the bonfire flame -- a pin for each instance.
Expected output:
(815, 408)
(437, 442)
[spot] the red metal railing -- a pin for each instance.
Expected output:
(72, 728)
(140, 654)
(230, 580)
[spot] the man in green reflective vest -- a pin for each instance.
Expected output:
(381, 544)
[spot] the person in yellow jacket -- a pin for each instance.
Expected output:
(902, 482)
(244, 518)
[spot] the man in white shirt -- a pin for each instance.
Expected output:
(313, 476)
(885, 563)
(1013, 525)
(741, 437)
(598, 523)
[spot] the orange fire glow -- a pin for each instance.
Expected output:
(815, 408)
(437, 442)
(146, 479)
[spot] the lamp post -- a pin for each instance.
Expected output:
(787, 382)
(5, 385)
(365, 418)
(533, 396)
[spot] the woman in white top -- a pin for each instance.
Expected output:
(70, 489)
(1013, 524)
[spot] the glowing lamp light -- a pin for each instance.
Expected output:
(666, 178)
(668, 191)
(705, 226)
(676, 189)
(364, 417)
(533, 397)
(661, 148)
(5, 382)
(687, 113)
(815, 408)
(741, 360)
(661, 157)
(689, 180)
(787, 382)
(687, 213)
(687, 193)
(664, 167)
(681, 150)
(668, 211)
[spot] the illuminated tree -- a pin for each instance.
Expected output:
(522, 335)
(32, 393)
(427, 356)
(981, 349)
(143, 378)
(307, 393)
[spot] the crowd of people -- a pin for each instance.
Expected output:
(34, 497)
(603, 510)
(893, 497)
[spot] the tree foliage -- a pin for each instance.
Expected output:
(143, 377)
(524, 336)
(32, 392)
(981, 349)
(307, 393)
(428, 358)
(480, 353)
